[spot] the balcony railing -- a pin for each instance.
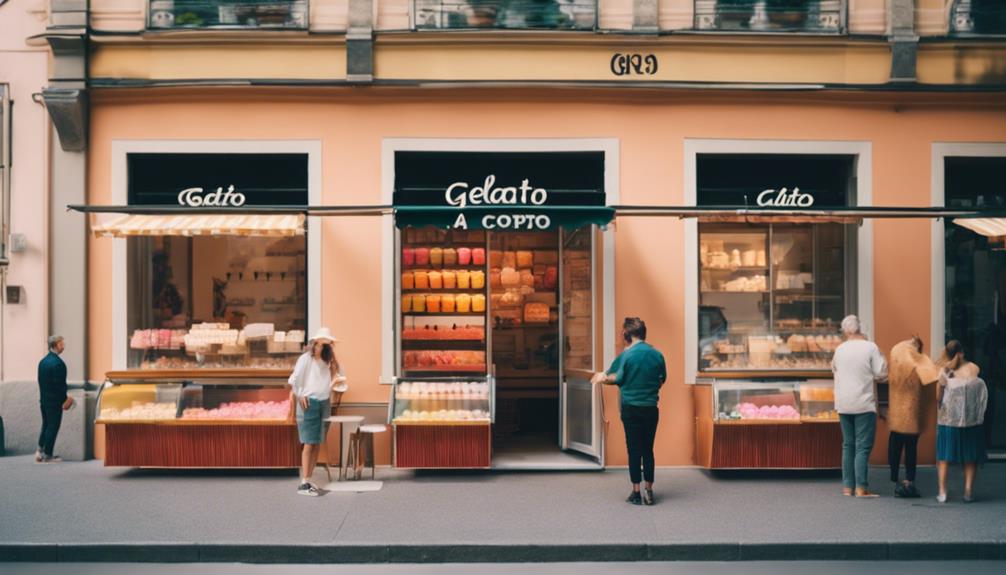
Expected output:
(233, 14)
(505, 14)
(981, 17)
(816, 16)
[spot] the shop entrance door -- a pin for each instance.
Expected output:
(581, 409)
(975, 275)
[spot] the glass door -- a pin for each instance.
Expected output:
(581, 409)
(975, 312)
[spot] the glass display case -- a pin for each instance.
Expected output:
(817, 401)
(185, 402)
(138, 402)
(755, 402)
(449, 401)
(771, 296)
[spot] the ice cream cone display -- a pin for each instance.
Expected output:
(450, 279)
(408, 280)
(436, 280)
(464, 256)
(478, 280)
(421, 279)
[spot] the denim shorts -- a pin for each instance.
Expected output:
(311, 425)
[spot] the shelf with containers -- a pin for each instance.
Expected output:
(198, 418)
(769, 301)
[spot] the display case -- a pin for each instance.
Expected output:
(751, 402)
(771, 296)
(767, 424)
(185, 420)
(817, 401)
(442, 423)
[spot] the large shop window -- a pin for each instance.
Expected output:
(772, 294)
(219, 299)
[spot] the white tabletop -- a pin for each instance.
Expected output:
(345, 419)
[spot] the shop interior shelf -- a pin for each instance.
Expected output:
(443, 314)
(447, 369)
(525, 326)
(446, 243)
(724, 291)
(440, 291)
(444, 345)
(425, 267)
(738, 269)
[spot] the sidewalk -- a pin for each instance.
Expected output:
(85, 512)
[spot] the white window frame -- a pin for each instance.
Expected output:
(864, 197)
(120, 197)
(940, 152)
(610, 148)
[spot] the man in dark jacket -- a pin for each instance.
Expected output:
(52, 398)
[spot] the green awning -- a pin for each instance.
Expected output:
(504, 218)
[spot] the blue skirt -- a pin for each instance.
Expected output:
(961, 444)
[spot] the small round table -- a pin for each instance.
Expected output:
(347, 424)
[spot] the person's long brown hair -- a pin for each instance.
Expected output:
(953, 355)
(328, 356)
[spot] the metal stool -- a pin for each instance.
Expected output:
(347, 424)
(361, 450)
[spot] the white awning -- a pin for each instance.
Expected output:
(273, 225)
(989, 227)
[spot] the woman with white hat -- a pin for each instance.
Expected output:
(315, 376)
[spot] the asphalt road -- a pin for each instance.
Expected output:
(682, 568)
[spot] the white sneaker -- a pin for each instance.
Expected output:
(942, 498)
(308, 490)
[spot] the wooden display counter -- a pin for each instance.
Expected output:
(447, 445)
(202, 444)
(738, 444)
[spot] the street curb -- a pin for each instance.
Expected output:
(521, 553)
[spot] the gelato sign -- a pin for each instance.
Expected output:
(198, 198)
(784, 198)
(462, 195)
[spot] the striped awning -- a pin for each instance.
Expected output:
(989, 227)
(273, 225)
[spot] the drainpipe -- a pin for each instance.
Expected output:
(903, 40)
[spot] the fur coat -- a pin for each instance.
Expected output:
(909, 371)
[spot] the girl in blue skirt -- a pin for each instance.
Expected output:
(960, 437)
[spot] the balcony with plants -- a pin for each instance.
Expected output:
(505, 14)
(787, 16)
(228, 14)
(978, 18)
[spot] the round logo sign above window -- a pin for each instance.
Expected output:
(195, 198)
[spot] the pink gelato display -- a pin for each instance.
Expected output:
(256, 410)
(752, 411)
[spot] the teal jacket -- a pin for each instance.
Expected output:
(639, 372)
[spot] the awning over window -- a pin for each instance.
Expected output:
(273, 225)
(989, 227)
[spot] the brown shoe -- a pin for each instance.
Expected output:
(865, 493)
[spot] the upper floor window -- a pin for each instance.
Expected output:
(769, 15)
(288, 14)
(506, 14)
(978, 17)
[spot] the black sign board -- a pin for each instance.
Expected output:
(223, 180)
(775, 180)
(500, 190)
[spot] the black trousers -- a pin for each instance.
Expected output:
(897, 443)
(640, 429)
(52, 417)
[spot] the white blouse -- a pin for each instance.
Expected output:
(312, 378)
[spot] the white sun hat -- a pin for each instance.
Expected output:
(323, 334)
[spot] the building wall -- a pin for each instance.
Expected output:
(651, 130)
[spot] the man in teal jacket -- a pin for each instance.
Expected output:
(639, 372)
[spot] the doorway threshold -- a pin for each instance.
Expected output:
(529, 455)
